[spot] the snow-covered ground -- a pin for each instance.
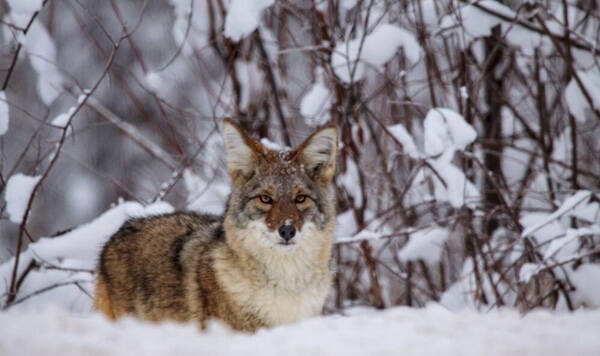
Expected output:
(398, 331)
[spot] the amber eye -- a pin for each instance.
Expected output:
(266, 199)
(300, 199)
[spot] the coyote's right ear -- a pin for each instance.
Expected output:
(242, 151)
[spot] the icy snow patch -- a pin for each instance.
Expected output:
(377, 49)
(18, 193)
(243, 17)
(3, 113)
(424, 245)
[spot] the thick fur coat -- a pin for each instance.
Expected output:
(264, 263)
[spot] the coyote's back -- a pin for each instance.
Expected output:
(265, 262)
(141, 269)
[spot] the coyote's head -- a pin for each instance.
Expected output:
(280, 199)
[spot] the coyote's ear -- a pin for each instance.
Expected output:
(242, 151)
(318, 153)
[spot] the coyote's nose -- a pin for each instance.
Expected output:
(287, 232)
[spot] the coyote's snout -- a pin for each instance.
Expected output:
(265, 262)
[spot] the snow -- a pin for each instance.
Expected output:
(316, 103)
(570, 236)
(528, 270)
(548, 228)
(153, 81)
(476, 22)
(408, 144)
(350, 180)
(62, 120)
(207, 197)
(18, 192)
(445, 128)
(251, 81)
(27, 7)
(424, 245)
(362, 235)
(378, 48)
(78, 248)
(577, 103)
(42, 55)
(273, 146)
(243, 17)
(586, 280)
(3, 113)
(581, 196)
(405, 331)
(458, 190)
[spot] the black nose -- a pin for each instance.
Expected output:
(287, 232)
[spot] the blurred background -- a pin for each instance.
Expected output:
(468, 171)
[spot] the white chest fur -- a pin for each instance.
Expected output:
(280, 294)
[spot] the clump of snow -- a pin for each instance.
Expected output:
(547, 229)
(251, 81)
(576, 101)
(578, 198)
(350, 180)
(273, 146)
(316, 103)
(21, 11)
(424, 245)
(445, 128)
(78, 248)
(477, 22)
(586, 280)
(589, 212)
(62, 120)
(408, 144)
(42, 55)
(27, 7)
(569, 240)
(406, 331)
(529, 270)
(3, 113)
(377, 49)
(18, 193)
(453, 187)
(423, 12)
(243, 17)
(190, 26)
(153, 81)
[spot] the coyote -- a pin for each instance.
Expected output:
(264, 263)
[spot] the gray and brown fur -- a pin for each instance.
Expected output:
(237, 268)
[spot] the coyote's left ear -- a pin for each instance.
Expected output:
(318, 153)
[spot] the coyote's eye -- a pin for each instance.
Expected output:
(301, 198)
(266, 199)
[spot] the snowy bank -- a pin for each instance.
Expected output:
(398, 331)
